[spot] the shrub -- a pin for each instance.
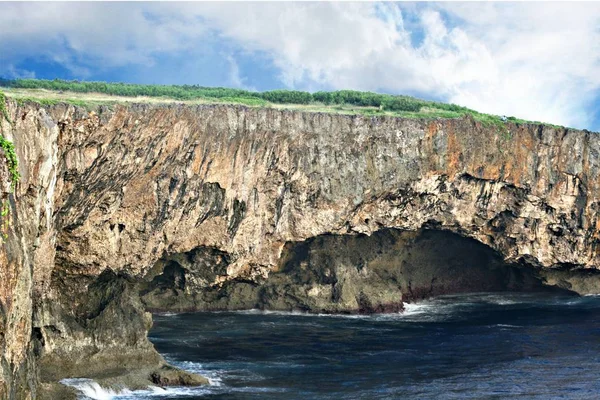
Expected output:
(398, 103)
(287, 97)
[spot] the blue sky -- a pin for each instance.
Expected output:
(538, 61)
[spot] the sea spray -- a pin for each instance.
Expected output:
(91, 390)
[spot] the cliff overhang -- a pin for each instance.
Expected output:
(223, 207)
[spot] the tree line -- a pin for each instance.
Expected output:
(191, 92)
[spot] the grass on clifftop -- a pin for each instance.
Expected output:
(91, 94)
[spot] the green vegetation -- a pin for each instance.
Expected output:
(13, 167)
(341, 101)
(11, 160)
(4, 217)
(3, 109)
(184, 92)
(246, 101)
(44, 102)
(383, 102)
(365, 99)
(4, 209)
(7, 146)
(89, 105)
(286, 96)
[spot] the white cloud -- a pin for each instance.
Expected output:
(235, 76)
(532, 60)
(94, 35)
(547, 57)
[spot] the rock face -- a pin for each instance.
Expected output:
(342, 274)
(223, 207)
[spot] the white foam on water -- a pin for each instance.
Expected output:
(91, 390)
(444, 307)
(255, 311)
(435, 309)
(427, 311)
(440, 308)
(502, 302)
(167, 314)
(418, 308)
(214, 377)
(410, 309)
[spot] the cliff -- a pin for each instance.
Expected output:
(224, 207)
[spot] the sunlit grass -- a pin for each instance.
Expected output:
(427, 110)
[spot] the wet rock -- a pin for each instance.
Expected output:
(53, 391)
(169, 376)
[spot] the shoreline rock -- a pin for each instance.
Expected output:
(141, 379)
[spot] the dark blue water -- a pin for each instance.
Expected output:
(488, 346)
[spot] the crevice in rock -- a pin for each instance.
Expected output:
(238, 213)
(196, 280)
(172, 277)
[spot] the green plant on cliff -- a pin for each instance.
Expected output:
(7, 146)
(4, 211)
(3, 109)
(11, 160)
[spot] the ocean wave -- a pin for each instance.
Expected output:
(443, 308)
(437, 309)
(91, 390)
(215, 378)
(167, 314)
(218, 372)
(418, 308)
(296, 313)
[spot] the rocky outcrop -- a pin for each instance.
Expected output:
(214, 206)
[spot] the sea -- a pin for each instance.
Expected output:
(476, 346)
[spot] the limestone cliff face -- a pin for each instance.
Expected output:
(27, 248)
(193, 198)
(147, 181)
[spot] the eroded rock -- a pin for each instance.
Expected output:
(121, 191)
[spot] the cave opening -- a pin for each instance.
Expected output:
(172, 277)
(344, 274)
(412, 265)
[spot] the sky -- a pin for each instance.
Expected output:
(537, 61)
